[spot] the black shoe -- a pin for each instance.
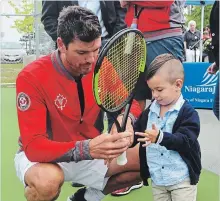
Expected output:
(78, 196)
(73, 184)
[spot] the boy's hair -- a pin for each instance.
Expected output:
(75, 22)
(174, 67)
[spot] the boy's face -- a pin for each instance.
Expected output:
(79, 56)
(163, 90)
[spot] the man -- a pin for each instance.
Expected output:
(191, 42)
(111, 18)
(60, 132)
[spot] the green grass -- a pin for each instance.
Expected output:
(9, 72)
(12, 189)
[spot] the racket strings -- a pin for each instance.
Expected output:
(120, 71)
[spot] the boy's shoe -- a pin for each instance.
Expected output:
(78, 195)
(125, 191)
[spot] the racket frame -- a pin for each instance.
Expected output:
(101, 56)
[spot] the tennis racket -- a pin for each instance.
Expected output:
(116, 74)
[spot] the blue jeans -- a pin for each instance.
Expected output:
(173, 45)
(216, 100)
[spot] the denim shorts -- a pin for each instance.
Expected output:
(173, 45)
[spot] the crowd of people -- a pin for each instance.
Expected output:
(61, 139)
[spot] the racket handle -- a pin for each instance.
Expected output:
(122, 159)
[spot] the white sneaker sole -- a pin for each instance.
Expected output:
(130, 189)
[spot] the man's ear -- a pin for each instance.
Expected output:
(61, 46)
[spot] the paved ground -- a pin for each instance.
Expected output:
(210, 140)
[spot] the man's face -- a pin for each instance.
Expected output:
(192, 27)
(79, 56)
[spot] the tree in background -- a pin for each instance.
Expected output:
(24, 26)
(196, 16)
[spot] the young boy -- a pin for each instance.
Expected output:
(169, 128)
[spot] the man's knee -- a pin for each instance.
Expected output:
(45, 179)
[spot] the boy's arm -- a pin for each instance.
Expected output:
(186, 134)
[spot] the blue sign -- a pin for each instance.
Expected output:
(199, 86)
(198, 2)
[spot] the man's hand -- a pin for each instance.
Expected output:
(212, 69)
(129, 128)
(150, 136)
(109, 146)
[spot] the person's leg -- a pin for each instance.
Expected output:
(183, 191)
(189, 56)
(42, 181)
(120, 177)
(172, 45)
(216, 100)
(197, 55)
(160, 193)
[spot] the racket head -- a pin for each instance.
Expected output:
(119, 65)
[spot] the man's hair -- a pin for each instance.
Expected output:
(75, 22)
(192, 22)
(172, 66)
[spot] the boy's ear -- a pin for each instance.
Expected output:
(60, 45)
(179, 84)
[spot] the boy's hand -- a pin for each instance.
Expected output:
(149, 135)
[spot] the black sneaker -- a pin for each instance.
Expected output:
(77, 185)
(78, 195)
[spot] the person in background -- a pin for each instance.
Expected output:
(191, 42)
(161, 23)
(206, 55)
(111, 15)
(207, 28)
(214, 28)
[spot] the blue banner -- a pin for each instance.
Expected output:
(198, 2)
(199, 86)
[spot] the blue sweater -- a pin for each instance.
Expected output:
(184, 140)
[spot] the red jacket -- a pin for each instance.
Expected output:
(158, 16)
(49, 113)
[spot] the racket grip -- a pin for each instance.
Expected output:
(122, 159)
